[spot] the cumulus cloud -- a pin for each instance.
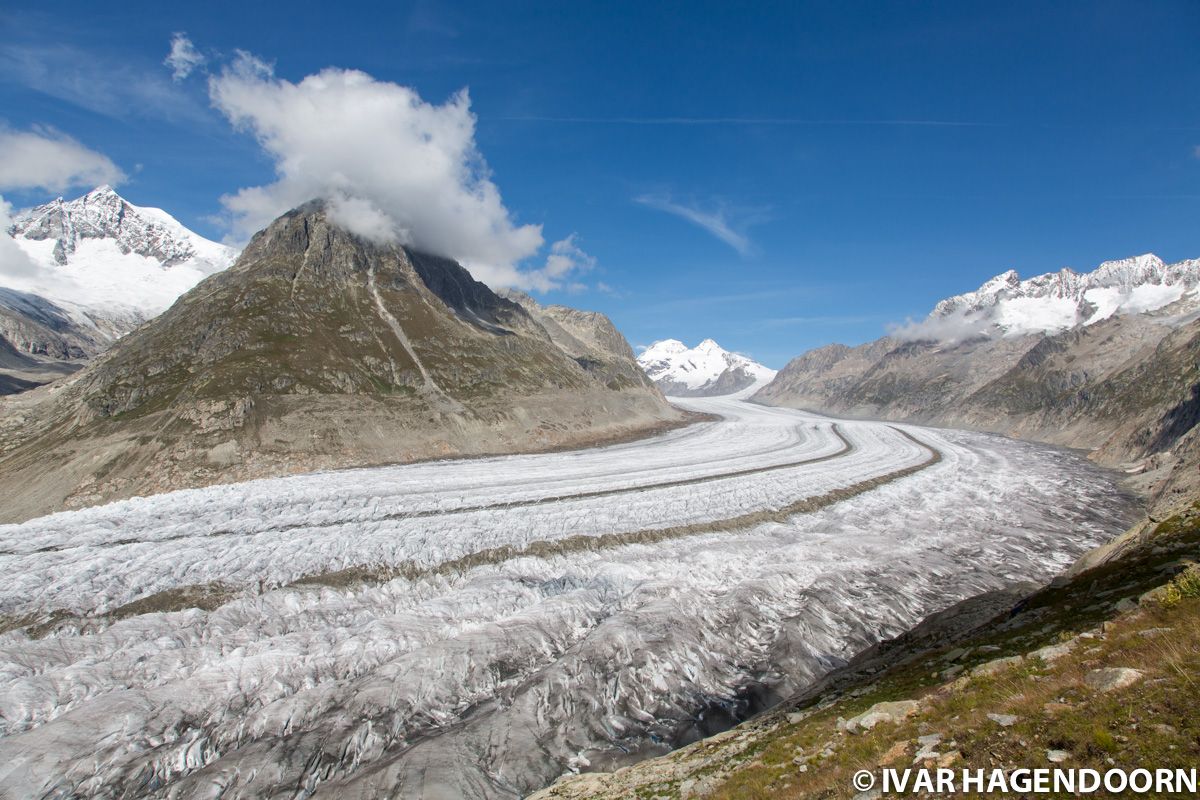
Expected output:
(184, 58)
(566, 258)
(391, 166)
(948, 329)
(43, 158)
(15, 265)
(716, 222)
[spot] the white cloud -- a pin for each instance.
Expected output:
(15, 264)
(392, 166)
(565, 259)
(947, 329)
(715, 222)
(44, 158)
(184, 58)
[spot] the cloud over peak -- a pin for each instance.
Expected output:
(45, 158)
(392, 167)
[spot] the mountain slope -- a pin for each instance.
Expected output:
(99, 266)
(102, 252)
(1059, 301)
(590, 338)
(316, 349)
(1124, 384)
(705, 370)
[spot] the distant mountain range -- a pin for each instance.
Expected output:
(1059, 301)
(705, 370)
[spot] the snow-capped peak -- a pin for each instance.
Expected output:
(662, 349)
(706, 369)
(1057, 301)
(102, 254)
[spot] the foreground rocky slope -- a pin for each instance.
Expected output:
(317, 349)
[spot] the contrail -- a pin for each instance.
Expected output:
(782, 121)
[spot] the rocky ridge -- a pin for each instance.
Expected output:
(1125, 386)
(1008, 306)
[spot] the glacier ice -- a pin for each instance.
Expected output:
(490, 679)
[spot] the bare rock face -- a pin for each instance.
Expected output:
(42, 328)
(316, 349)
(590, 338)
(103, 214)
(1111, 679)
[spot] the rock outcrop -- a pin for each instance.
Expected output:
(590, 338)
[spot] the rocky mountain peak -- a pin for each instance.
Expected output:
(104, 214)
(320, 348)
(102, 266)
(1055, 301)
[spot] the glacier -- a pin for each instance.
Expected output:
(476, 628)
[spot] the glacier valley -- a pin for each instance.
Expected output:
(477, 628)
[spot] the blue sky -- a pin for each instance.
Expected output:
(775, 178)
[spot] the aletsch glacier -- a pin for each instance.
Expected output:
(489, 680)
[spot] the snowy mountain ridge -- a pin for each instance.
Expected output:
(705, 370)
(105, 255)
(1056, 301)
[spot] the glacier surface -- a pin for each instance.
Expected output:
(505, 643)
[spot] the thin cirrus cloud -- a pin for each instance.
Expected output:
(99, 82)
(765, 121)
(391, 167)
(716, 222)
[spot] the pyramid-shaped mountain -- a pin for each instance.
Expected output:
(317, 349)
